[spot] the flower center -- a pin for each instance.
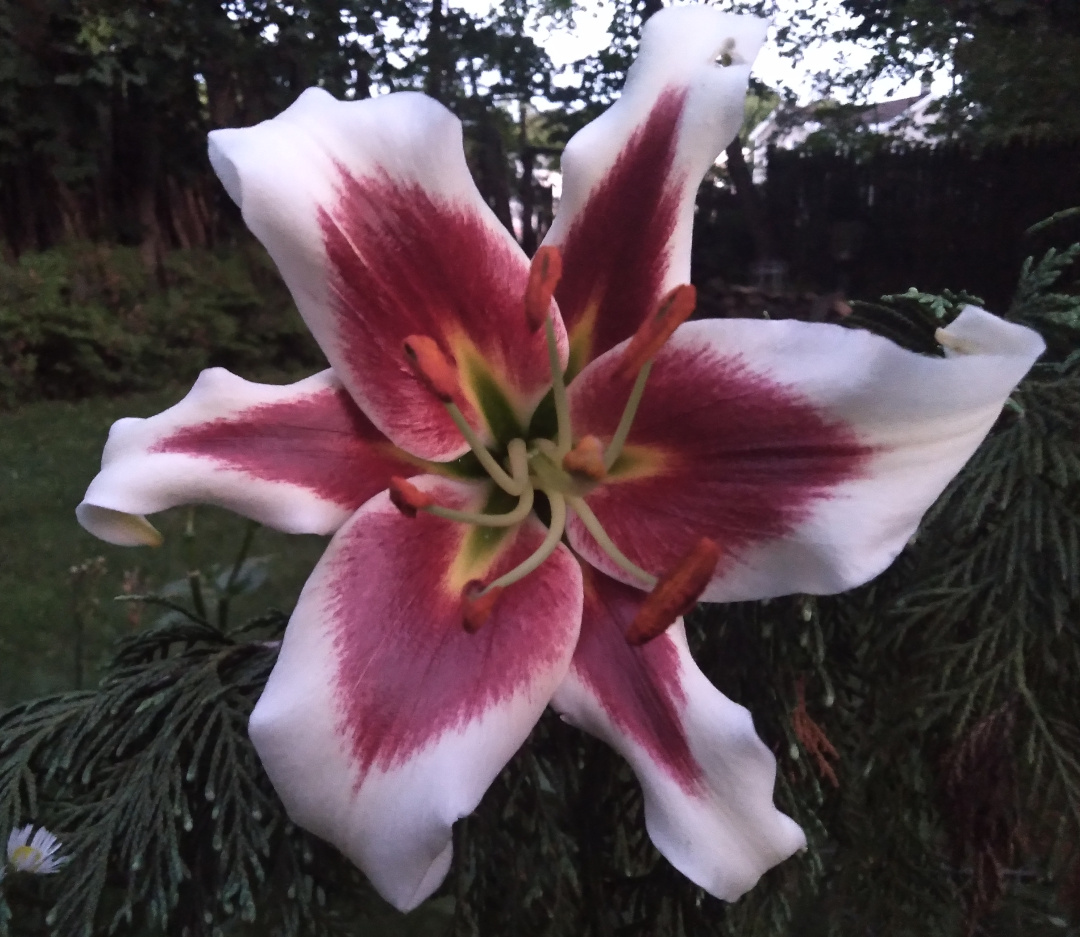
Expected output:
(26, 858)
(563, 469)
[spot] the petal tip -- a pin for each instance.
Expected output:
(118, 528)
(695, 27)
(978, 332)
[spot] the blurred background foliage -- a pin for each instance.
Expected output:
(1006, 56)
(925, 725)
(90, 319)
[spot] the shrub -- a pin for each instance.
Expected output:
(90, 319)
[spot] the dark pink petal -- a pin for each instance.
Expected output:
(370, 213)
(405, 263)
(638, 688)
(384, 721)
(631, 177)
(707, 778)
(300, 458)
(616, 251)
(808, 452)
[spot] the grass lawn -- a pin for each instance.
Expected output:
(48, 454)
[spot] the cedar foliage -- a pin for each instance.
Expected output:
(925, 728)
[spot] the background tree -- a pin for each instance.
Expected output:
(1010, 59)
(105, 105)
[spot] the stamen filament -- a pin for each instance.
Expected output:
(551, 541)
(509, 519)
(558, 390)
(615, 447)
(593, 526)
(496, 471)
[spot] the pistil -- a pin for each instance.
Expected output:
(564, 471)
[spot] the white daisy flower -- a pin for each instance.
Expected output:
(35, 854)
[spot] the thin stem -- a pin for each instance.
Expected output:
(165, 603)
(234, 574)
(551, 541)
(615, 447)
(558, 390)
(198, 601)
(516, 516)
(496, 471)
(593, 526)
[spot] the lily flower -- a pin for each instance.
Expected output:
(32, 852)
(532, 470)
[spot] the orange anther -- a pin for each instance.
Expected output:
(586, 458)
(407, 498)
(673, 311)
(544, 274)
(431, 366)
(676, 593)
(478, 604)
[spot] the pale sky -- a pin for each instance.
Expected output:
(590, 33)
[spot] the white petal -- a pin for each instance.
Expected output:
(370, 212)
(19, 836)
(808, 452)
(383, 721)
(630, 178)
(706, 776)
(300, 458)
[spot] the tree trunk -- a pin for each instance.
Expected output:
(434, 81)
(748, 197)
(221, 99)
(490, 165)
(525, 184)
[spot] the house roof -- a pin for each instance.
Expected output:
(788, 126)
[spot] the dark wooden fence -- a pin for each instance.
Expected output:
(884, 221)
